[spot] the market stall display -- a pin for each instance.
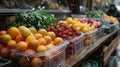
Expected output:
(39, 41)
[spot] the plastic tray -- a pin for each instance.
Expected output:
(100, 33)
(76, 45)
(54, 57)
(5, 63)
(90, 38)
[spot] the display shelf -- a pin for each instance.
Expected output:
(15, 11)
(87, 51)
(110, 49)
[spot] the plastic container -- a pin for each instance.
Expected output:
(76, 45)
(5, 63)
(100, 33)
(90, 38)
(54, 57)
(118, 51)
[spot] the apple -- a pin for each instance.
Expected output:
(78, 33)
(69, 38)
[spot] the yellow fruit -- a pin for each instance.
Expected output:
(58, 40)
(75, 19)
(30, 37)
(48, 39)
(69, 20)
(13, 31)
(38, 36)
(70, 25)
(49, 46)
(33, 30)
(52, 35)
(25, 31)
(42, 31)
(5, 38)
(76, 25)
(78, 28)
(41, 48)
(21, 27)
(85, 30)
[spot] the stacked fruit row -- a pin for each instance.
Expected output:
(29, 41)
(110, 18)
(39, 46)
(73, 29)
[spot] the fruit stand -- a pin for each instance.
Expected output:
(37, 39)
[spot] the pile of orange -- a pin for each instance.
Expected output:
(23, 39)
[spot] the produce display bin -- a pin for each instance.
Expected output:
(90, 38)
(100, 33)
(76, 45)
(5, 63)
(54, 57)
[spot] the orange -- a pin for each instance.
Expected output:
(13, 31)
(33, 30)
(22, 46)
(23, 62)
(52, 42)
(33, 44)
(4, 52)
(19, 38)
(11, 44)
(38, 36)
(49, 46)
(48, 39)
(58, 40)
(36, 62)
(52, 35)
(30, 51)
(42, 41)
(42, 31)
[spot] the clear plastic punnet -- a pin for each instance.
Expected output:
(100, 33)
(76, 45)
(55, 57)
(90, 38)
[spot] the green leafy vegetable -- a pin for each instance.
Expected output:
(38, 19)
(94, 13)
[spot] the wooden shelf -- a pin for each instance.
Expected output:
(86, 52)
(110, 49)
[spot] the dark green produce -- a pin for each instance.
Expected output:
(94, 13)
(38, 19)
